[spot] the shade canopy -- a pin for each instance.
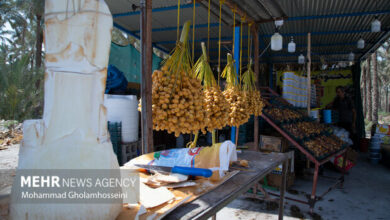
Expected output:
(335, 26)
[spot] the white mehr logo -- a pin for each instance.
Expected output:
(40, 181)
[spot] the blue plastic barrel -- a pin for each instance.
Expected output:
(327, 116)
(375, 157)
(375, 142)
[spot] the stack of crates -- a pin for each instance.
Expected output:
(245, 134)
(130, 150)
(115, 129)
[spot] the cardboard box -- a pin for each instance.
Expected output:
(385, 147)
(275, 177)
(382, 129)
(275, 180)
(272, 144)
(352, 155)
(385, 154)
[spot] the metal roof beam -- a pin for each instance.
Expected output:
(322, 33)
(171, 8)
(262, 5)
(283, 34)
(312, 17)
(313, 53)
(383, 38)
(175, 27)
(327, 45)
(296, 55)
(239, 10)
(298, 18)
(200, 40)
(289, 61)
(313, 61)
(137, 37)
(331, 53)
(216, 15)
(298, 45)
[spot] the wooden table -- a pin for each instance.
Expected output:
(210, 203)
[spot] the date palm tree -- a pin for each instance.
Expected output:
(384, 74)
(20, 79)
(375, 91)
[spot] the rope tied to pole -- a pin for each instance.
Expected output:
(221, 2)
(178, 19)
(234, 25)
(249, 40)
(208, 29)
(243, 18)
(193, 31)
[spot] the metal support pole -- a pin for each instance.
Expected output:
(257, 74)
(387, 106)
(312, 200)
(271, 75)
(308, 72)
(146, 76)
(236, 57)
(343, 169)
(283, 189)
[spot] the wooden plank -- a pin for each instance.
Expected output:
(146, 70)
(208, 204)
(132, 85)
(182, 195)
(256, 70)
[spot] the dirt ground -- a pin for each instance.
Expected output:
(366, 195)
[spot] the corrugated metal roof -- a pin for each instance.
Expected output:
(336, 25)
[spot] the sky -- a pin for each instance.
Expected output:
(7, 27)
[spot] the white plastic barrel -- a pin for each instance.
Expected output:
(123, 108)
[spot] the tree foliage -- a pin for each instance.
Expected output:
(384, 76)
(382, 103)
(21, 79)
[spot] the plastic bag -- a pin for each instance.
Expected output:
(215, 158)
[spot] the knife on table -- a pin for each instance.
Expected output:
(178, 169)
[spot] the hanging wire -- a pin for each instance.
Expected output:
(208, 29)
(249, 40)
(242, 20)
(178, 19)
(221, 2)
(234, 26)
(193, 31)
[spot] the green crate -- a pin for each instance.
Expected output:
(115, 130)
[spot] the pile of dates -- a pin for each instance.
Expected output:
(317, 147)
(333, 143)
(311, 127)
(294, 130)
(282, 114)
(323, 145)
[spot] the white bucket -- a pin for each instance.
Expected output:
(123, 108)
